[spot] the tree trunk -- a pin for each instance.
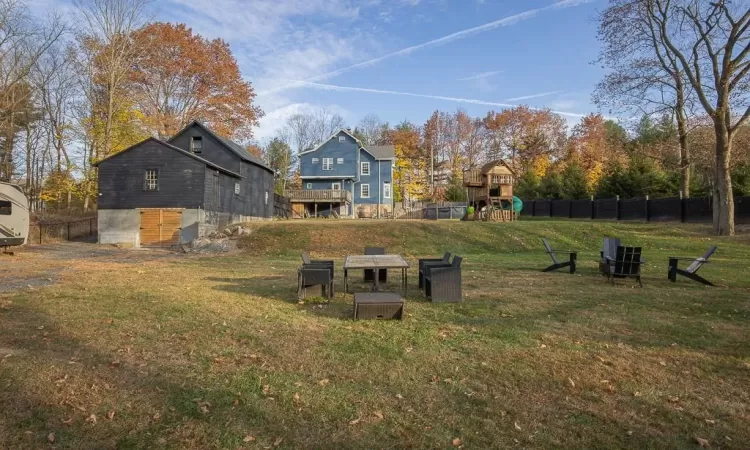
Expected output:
(723, 195)
(685, 168)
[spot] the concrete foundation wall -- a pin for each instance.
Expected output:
(119, 226)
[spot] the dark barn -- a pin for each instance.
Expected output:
(159, 193)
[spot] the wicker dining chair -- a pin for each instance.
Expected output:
(443, 283)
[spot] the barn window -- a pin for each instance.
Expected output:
(364, 190)
(5, 208)
(151, 180)
(237, 188)
(364, 168)
(196, 144)
(342, 138)
(339, 160)
(327, 163)
(315, 160)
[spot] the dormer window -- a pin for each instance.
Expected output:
(196, 144)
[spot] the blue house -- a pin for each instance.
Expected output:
(342, 177)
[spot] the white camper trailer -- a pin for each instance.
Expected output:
(14, 216)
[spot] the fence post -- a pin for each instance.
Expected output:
(551, 202)
(648, 219)
(617, 208)
(533, 208)
(570, 209)
(593, 208)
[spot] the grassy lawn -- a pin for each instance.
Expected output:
(129, 349)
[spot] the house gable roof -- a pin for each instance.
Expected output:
(339, 131)
(382, 151)
(172, 147)
(228, 143)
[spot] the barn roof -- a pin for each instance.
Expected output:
(228, 143)
(177, 149)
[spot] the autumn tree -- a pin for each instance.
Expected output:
(711, 43)
(181, 76)
(409, 179)
(594, 147)
(279, 157)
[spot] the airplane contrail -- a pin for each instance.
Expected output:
(510, 20)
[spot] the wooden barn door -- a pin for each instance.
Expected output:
(160, 227)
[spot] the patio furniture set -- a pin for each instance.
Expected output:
(617, 261)
(439, 280)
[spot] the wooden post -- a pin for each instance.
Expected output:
(315, 205)
(40, 234)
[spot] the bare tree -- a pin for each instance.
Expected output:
(711, 42)
(370, 128)
(325, 123)
(645, 75)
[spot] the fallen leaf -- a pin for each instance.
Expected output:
(378, 414)
(702, 442)
(51, 437)
(298, 384)
(68, 422)
(456, 442)
(296, 396)
(203, 408)
(572, 384)
(355, 421)
(399, 396)
(248, 438)
(710, 421)
(629, 433)
(674, 399)
(518, 427)
(663, 363)
(277, 442)
(157, 416)
(543, 346)
(323, 382)
(111, 415)
(91, 419)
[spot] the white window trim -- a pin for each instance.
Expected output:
(389, 191)
(315, 160)
(339, 160)
(362, 166)
(342, 138)
(236, 188)
(330, 165)
(362, 190)
(334, 188)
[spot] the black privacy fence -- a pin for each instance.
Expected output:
(689, 210)
(43, 233)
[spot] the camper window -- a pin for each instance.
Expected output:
(5, 208)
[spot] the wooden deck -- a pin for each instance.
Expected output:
(318, 196)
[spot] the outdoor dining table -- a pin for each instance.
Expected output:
(375, 262)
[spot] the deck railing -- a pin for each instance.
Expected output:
(318, 195)
(473, 177)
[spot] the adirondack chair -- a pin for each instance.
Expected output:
(556, 264)
(609, 249)
(626, 264)
(369, 273)
(692, 269)
(446, 257)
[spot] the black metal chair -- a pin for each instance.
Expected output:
(692, 269)
(442, 283)
(556, 264)
(608, 252)
(370, 273)
(445, 260)
(626, 264)
(310, 275)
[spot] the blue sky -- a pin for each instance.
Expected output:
(473, 54)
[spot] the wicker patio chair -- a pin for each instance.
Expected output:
(443, 283)
(445, 260)
(329, 264)
(692, 269)
(369, 273)
(314, 275)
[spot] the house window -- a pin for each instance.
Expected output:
(237, 188)
(339, 160)
(315, 160)
(364, 190)
(342, 138)
(152, 180)
(5, 208)
(386, 189)
(196, 144)
(364, 168)
(327, 163)
(309, 185)
(336, 186)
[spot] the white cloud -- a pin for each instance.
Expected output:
(331, 87)
(479, 76)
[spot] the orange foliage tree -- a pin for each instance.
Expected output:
(182, 77)
(592, 148)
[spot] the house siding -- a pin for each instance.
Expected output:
(380, 171)
(213, 150)
(332, 149)
(121, 179)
